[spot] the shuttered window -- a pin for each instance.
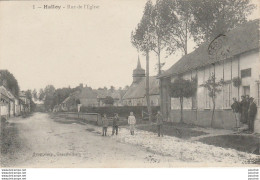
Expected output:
(246, 73)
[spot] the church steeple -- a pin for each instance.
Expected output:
(138, 73)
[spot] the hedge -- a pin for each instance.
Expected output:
(123, 111)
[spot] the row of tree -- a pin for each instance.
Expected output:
(169, 25)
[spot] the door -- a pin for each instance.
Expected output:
(246, 90)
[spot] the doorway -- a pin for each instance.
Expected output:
(246, 90)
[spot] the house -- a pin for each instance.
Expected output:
(70, 102)
(11, 104)
(88, 97)
(102, 94)
(136, 94)
(4, 102)
(237, 56)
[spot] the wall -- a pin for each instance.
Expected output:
(225, 70)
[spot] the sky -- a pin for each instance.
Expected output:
(67, 47)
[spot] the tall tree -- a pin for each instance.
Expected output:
(8, 80)
(143, 40)
(214, 17)
(163, 20)
(179, 27)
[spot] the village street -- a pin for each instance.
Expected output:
(47, 141)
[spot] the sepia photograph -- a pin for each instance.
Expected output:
(129, 83)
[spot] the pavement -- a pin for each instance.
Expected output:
(48, 141)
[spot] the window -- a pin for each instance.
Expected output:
(227, 92)
(246, 73)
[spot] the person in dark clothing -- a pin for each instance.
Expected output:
(244, 109)
(159, 122)
(251, 114)
(115, 124)
(236, 110)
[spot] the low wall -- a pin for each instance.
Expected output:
(222, 118)
(82, 116)
(95, 118)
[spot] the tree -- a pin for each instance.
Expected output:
(213, 87)
(179, 26)
(142, 39)
(8, 80)
(34, 94)
(49, 92)
(29, 96)
(126, 87)
(163, 20)
(109, 100)
(112, 88)
(41, 95)
(214, 17)
(182, 88)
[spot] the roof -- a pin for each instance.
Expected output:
(239, 40)
(87, 93)
(3, 91)
(137, 90)
(6, 93)
(115, 94)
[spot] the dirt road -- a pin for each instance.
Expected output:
(56, 142)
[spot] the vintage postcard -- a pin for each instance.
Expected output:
(129, 83)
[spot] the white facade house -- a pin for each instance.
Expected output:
(242, 61)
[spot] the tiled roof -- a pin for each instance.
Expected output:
(137, 90)
(239, 40)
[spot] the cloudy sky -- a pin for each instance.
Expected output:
(67, 47)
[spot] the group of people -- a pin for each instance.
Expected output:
(245, 112)
(105, 124)
(131, 122)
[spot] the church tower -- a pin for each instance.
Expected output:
(138, 73)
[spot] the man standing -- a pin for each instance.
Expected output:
(159, 123)
(236, 110)
(115, 124)
(244, 109)
(251, 114)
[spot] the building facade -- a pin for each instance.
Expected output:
(241, 62)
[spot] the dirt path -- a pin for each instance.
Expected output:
(50, 142)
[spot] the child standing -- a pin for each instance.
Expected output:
(131, 122)
(115, 124)
(104, 125)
